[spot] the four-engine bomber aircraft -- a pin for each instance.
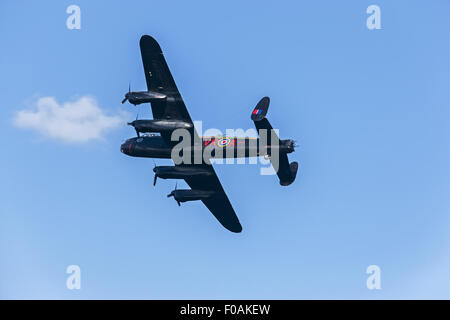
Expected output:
(170, 114)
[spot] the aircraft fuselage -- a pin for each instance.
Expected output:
(212, 147)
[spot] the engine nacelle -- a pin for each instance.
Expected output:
(184, 195)
(160, 125)
(179, 172)
(138, 97)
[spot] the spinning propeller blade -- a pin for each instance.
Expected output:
(172, 194)
(132, 124)
(156, 177)
(126, 95)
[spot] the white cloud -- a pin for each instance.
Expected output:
(76, 121)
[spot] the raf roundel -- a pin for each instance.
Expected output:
(223, 142)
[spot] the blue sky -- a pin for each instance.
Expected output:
(368, 108)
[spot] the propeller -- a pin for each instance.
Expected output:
(156, 177)
(132, 124)
(172, 194)
(127, 94)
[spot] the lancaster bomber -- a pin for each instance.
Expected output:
(155, 140)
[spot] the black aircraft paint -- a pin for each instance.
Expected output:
(170, 114)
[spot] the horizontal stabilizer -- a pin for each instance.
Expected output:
(286, 171)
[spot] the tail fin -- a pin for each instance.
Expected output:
(261, 109)
(286, 171)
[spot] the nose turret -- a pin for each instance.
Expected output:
(123, 148)
(126, 147)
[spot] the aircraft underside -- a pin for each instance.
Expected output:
(177, 139)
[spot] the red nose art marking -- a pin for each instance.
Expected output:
(129, 148)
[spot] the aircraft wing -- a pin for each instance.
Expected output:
(219, 205)
(159, 79)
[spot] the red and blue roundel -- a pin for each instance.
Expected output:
(223, 142)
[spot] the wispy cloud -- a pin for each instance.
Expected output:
(76, 121)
